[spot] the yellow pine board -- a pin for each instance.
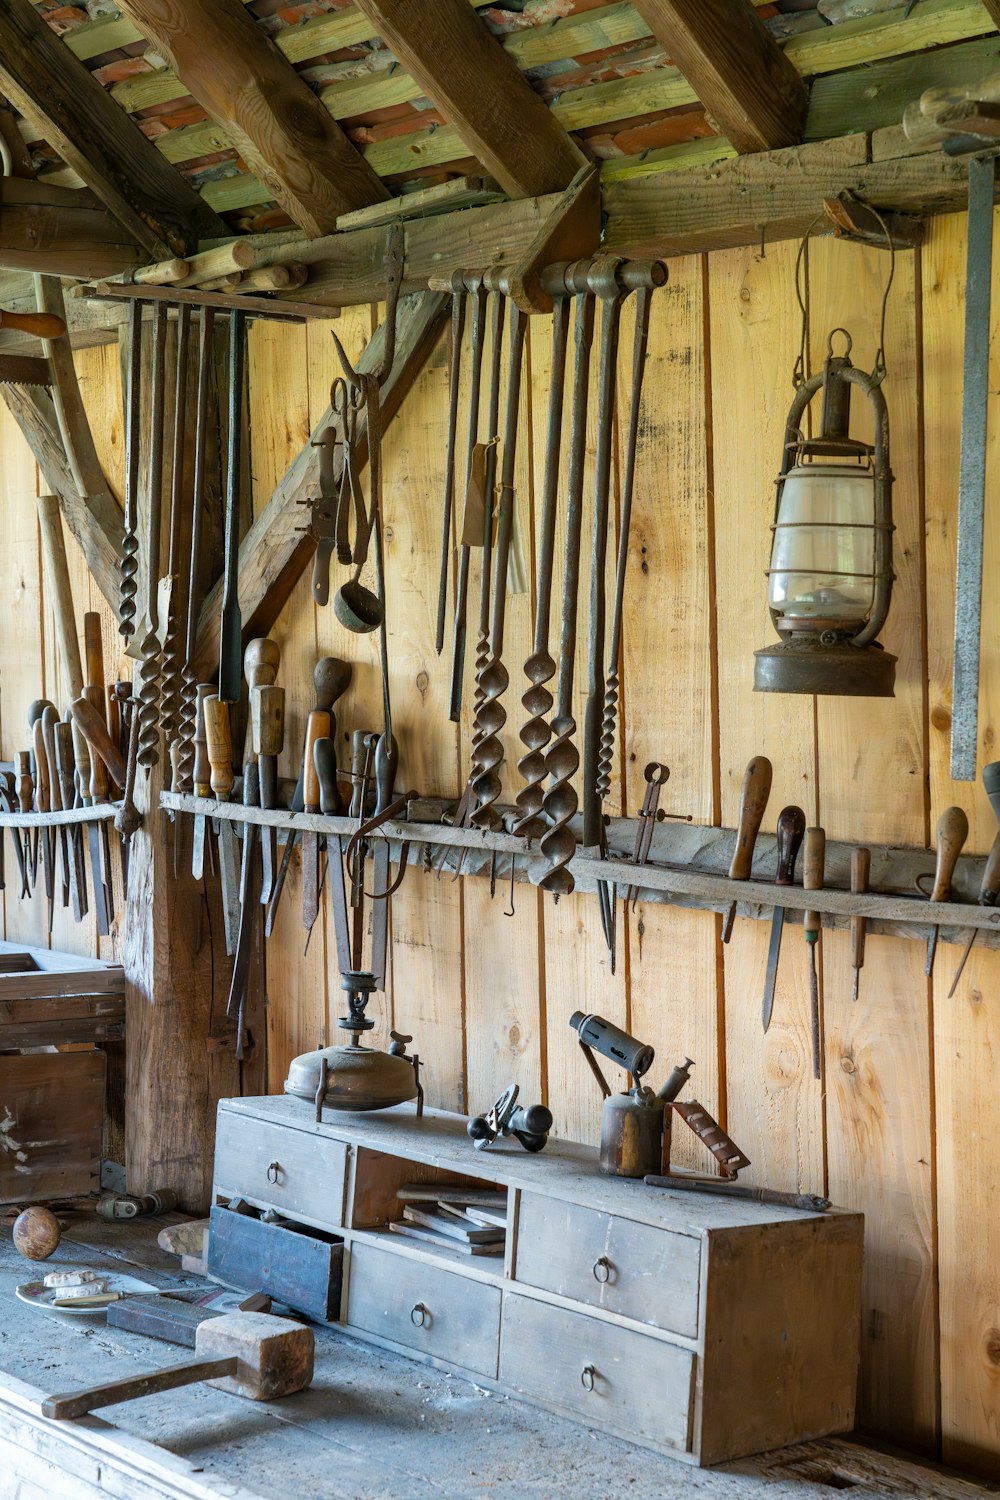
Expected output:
(774, 1104)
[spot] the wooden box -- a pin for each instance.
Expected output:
(51, 1123)
(705, 1327)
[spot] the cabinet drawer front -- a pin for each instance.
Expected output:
(596, 1370)
(297, 1266)
(274, 1167)
(425, 1307)
(631, 1269)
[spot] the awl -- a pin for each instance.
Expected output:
(861, 863)
(952, 832)
(989, 891)
(753, 801)
(813, 860)
(790, 830)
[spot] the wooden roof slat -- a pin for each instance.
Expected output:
(737, 70)
(154, 203)
(271, 116)
(476, 85)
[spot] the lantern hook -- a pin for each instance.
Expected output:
(878, 372)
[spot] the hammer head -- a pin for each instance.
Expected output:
(274, 1355)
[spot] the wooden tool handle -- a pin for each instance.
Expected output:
(78, 1403)
(790, 831)
(88, 713)
(318, 728)
(49, 720)
(989, 888)
(219, 739)
(201, 774)
(42, 325)
(261, 661)
(57, 586)
(325, 765)
(386, 764)
(113, 713)
(861, 863)
(331, 679)
(753, 801)
(952, 832)
(267, 719)
(41, 768)
(25, 788)
(93, 649)
(35, 710)
(813, 860)
(65, 762)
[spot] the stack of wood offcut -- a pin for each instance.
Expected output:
(472, 1221)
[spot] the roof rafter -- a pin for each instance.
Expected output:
(43, 79)
(272, 117)
(478, 87)
(735, 67)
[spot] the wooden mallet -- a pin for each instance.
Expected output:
(250, 1354)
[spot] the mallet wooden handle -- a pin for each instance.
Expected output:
(42, 325)
(813, 861)
(93, 649)
(790, 830)
(49, 720)
(88, 713)
(78, 1403)
(753, 801)
(219, 739)
(861, 863)
(65, 762)
(318, 728)
(952, 832)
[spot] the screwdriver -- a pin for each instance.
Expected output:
(989, 890)
(753, 801)
(791, 827)
(861, 863)
(952, 832)
(813, 860)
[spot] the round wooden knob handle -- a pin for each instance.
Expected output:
(41, 767)
(331, 679)
(48, 721)
(952, 832)
(790, 830)
(261, 661)
(42, 325)
(267, 719)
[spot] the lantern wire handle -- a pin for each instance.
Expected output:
(802, 297)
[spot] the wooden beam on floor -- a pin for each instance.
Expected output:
(149, 197)
(736, 68)
(275, 550)
(63, 230)
(271, 116)
(478, 87)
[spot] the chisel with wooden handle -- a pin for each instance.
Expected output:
(952, 832)
(318, 728)
(219, 741)
(325, 762)
(813, 861)
(43, 805)
(267, 723)
(753, 801)
(241, 963)
(97, 833)
(65, 766)
(790, 830)
(989, 891)
(861, 863)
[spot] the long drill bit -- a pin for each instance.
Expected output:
(558, 843)
(540, 667)
(130, 541)
(170, 674)
(148, 672)
(478, 296)
(189, 685)
(448, 505)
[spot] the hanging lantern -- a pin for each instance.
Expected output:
(830, 579)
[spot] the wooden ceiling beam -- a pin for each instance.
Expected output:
(478, 87)
(42, 79)
(62, 230)
(735, 67)
(270, 115)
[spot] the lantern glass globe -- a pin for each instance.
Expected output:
(823, 554)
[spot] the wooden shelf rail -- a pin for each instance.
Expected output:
(101, 812)
(688, 868)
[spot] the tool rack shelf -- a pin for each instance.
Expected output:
(688, 867)
(100, 812)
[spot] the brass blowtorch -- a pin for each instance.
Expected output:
(635, 1126)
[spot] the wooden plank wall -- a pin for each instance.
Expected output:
(905, 1122)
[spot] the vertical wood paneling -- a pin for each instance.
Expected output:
(966, 1037)
(774, 1104)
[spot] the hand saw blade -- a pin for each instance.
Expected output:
(24, 369)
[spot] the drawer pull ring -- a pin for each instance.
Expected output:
(602, 1271)
(587, 1377)
(274, 1171)
(419, 1316)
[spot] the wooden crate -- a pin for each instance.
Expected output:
(51, 1120)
